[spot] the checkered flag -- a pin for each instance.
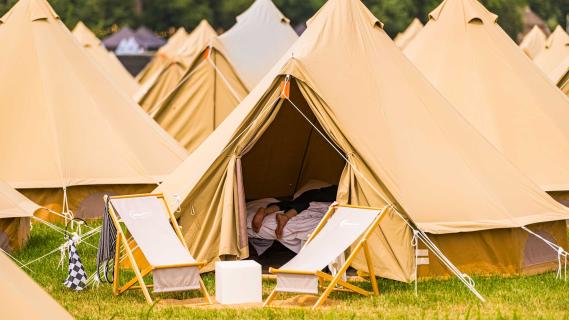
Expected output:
(77, 279)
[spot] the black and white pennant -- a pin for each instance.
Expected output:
(77, 278)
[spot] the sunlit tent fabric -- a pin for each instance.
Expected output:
(65, 125)
(166, 52)
(404, 38)
(106, 60)
(258, 39)
(405, 144)
(554, 59)
(533, 42)
(480, 70)
(224, 72)
(196, 42)
(170, 67)
(22, 298)
(15, 213)
(175, 42)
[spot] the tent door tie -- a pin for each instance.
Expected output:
(285, 88)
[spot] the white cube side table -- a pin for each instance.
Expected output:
(238, 282)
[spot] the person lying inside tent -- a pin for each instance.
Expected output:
(292, 208)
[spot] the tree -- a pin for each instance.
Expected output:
(162, 15)
(554, 12)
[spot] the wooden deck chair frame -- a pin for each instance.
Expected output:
(140, 274)
(362, 244)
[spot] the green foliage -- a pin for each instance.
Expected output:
(509, 14)
(104, 16)
(554, 12)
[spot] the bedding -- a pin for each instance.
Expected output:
(295, 232)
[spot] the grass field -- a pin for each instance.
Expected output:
(532, 297)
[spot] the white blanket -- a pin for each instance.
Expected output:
(296, 230)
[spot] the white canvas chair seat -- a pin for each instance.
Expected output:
(339, 230)
(156, 233)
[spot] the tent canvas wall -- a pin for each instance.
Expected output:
(224, 72)
(553, 60)
(66, 125)
(467, 56)
(164, 53)
(206, 94)
(15, 213)
(160, 84)
(400, 141)
(197, 40)
(22, 298)
(403, 39)
(259, 38)
(533, 42)
(172, 67)
(106, 60)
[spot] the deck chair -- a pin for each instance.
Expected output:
(157, 235)
(339, 229)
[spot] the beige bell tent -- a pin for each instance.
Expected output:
(554, 59)
(224, 72)
(175, 42)
(15, 213)
(22, 298)
(196, 42)
(404, 38)
(533, 42)
(67, 129)
(106, 60)
(163, 56)
(480, 70)
(167, 75)
(385, 136)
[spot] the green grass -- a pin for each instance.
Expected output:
(532, 297)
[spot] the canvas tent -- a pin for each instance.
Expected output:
(404, 38)
(172, 66)
(142, 37)
(106, 60)
(174, 43)
(224, 72)
(15, 213)
(67, 128)
(533, 42)
(480, 70)
(164, 53)
(384, 135)
(22, 298)
(147, 39)
(196, 42)
(112, 42)
(554, 59)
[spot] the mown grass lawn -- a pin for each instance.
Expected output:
(532, 297)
